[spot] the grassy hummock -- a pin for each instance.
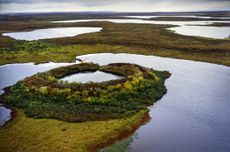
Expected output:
(45, 96)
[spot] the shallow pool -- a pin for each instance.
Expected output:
(97, 76)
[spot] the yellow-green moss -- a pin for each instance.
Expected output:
(25, 134)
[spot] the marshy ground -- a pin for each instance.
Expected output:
(28, 134)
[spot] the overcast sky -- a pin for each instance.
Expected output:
(112, 5)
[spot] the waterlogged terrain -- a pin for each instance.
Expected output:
(199, 28)
(51, 33)
(194, 112)
(78, 136)
(192, 116)
(139, 21)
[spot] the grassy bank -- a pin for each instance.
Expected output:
(41, 135)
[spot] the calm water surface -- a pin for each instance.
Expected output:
(203, 31)
(5, 115)
(194, 114)
(183, 16)
(97, 76)
(12, 73)
(192, 117)
(51, 33)
(139, 21)
(190, 28)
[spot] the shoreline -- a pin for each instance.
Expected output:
(129, 131)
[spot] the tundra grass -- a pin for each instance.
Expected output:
(25, 134)
(69, 53)
(115, 38)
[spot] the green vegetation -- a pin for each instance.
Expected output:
(45, 96)
(48, 135)
(122, 103)
(26, 46)
(116, 38)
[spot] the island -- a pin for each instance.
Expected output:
(118, 107)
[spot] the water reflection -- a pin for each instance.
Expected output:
(194, 114)
(190, 28)
(139, 21)
(12, 73)
(213, 32)
(5, 115)
(51, 33)
(97, 76)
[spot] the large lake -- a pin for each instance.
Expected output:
(51, 33)
(192, 117)
(191, 28)
(194, 114)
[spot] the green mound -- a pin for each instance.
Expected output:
(45, 96)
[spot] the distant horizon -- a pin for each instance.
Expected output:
(39, 6)
(200, 11)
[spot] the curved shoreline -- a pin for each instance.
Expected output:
(130, 130)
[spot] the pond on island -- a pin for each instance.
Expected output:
(85, 77)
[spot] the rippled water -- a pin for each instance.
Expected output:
(51, 33)
(194, 114)
(97, 76)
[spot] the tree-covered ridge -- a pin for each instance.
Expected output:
(45, 96)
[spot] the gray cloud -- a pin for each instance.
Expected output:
(112, 5)
(101, 2)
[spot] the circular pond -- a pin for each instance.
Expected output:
(85, 77)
